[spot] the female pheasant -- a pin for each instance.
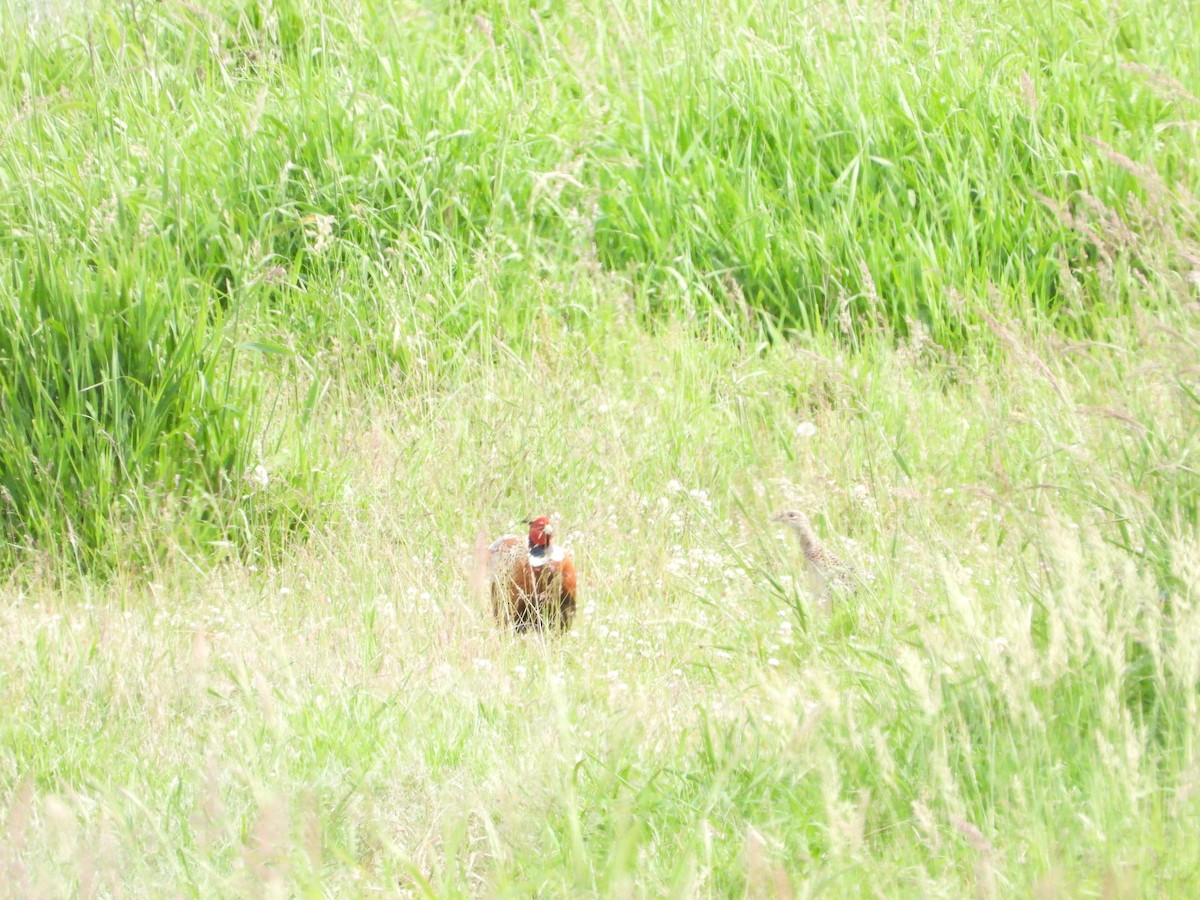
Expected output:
(825, 570)
(533, 583)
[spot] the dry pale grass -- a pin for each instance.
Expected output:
(349, 718)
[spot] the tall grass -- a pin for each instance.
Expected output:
(108, 391)
(862, 162)
(378, 280)
(1010, 707)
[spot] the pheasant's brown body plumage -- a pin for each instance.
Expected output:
(826, 572)
(533, 583)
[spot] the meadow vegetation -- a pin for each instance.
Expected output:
(301, 300)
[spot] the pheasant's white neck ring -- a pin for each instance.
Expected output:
(540, 555)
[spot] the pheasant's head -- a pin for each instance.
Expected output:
(540, 532)
(795, 519)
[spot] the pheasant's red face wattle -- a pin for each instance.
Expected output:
(539, 532)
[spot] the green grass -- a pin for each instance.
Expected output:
(299, 300)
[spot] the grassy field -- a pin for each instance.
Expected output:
(300, 300)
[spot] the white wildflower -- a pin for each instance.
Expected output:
(258, 477)
(321, 234)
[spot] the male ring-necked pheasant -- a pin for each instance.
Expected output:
(825, 570)
(533, 582)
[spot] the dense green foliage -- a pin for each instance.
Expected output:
(833, 168)
(109, 391)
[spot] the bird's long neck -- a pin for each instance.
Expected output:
(808, 541)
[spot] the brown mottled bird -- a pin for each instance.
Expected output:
(825, 570)
(533, 582)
